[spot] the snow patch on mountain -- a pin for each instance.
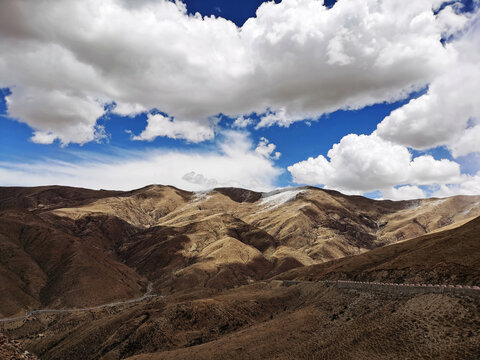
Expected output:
(437, 202)
(279, 197)
(201, 195)
(469, 210)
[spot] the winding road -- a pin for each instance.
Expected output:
(359, 285)
(403, 288)
(147, 295)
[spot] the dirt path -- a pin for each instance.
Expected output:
(358, 285)
(147, 295)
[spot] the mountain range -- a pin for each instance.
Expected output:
(221, 258)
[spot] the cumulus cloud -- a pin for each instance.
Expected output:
(450, 21)
(233, 163)
(448, 114)
(444, 115)
(470, 185)
(407, 192)
(267, 149)
(242, 122)
(63, 61)
(364, 163)
(160, 125)
(56, 114)
(466, 142)
(199, 179)
(279, 117)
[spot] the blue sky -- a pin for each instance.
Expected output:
(109, 111)
(299, 141)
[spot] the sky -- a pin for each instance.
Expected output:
(368, 97)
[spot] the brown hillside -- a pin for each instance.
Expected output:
(67, 247)
(211, 253)
(264, 321)
(44, 264)
(450, 256)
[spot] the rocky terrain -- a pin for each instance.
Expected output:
(11, 350)
(223, 258)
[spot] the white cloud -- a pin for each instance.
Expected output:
(364, 163)
(159, 125)
(56, 114)
(425, 170)
(199, 179)
(450, 21)
(406, 192)
(267, 149)
(447, 114)
(126, 109)
(470, 185)
(279, 117)
(234, 163)
(297, 59)
(467, 142)
(444, 114)
(242, 122)
(43, 137)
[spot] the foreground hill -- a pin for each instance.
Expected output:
(215, 318)
(65, 247)
(265, 320)
(444, 257)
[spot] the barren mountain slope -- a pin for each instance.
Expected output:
(218, 240)
(49, 197)
(142, 208)
(64, 247)
(218, 251)
(310, 223)
(332, 324)
(230, 236)
(264, 321)
(450, 256)
(61, 263)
